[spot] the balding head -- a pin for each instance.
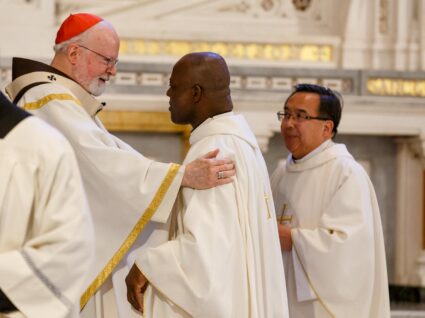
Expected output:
(206, 69)
(203, 79)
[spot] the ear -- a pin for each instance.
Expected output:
(327, 128)
(72, 53)
(197, 93)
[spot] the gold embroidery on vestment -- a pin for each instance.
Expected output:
(131, 238)
(48, 98)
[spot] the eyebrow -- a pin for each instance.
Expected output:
(296, 110)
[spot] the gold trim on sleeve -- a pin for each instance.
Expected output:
(131, 238)
(48, 98)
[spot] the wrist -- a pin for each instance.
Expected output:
(185, 179)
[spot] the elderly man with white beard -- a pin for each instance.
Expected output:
(125, 189)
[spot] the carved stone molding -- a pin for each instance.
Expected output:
(383, 16)
(298, 52)
(301, 5)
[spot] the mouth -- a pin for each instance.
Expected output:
(290, 133)
(290, 136)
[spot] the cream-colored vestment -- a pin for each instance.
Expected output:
(46, 235)
(224, 258)
(337, 265)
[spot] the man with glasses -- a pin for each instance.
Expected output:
(125, 189)
(329, 222)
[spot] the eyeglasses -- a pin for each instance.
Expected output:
(110, 62)
(298, 117)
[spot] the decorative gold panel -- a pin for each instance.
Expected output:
(251, 51)
(396, 87)
(138, 121)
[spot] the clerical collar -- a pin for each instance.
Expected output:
(22, 66)
(31, 73)
(326, 144)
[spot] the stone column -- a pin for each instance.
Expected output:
(409, 210)
(403, 22)
(421, 17)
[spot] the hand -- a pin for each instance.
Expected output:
(203, 172)
(136, 284)
(285, 237)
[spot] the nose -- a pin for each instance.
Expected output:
(168, 92)
(112, 70)
(289, 122)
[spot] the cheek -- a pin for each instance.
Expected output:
(95, 69)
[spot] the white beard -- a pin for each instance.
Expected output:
(96, 88)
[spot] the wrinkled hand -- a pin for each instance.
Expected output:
(285, 237)
(136, 284)
(202, 173)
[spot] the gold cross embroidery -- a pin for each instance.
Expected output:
(267, 204)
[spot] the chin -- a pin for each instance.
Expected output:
(174, 119)
(97, 89)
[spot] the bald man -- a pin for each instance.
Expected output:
(124, 188)
(223, 257)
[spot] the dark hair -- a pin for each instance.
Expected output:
(330, 102)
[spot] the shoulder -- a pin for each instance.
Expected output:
(48, 88)
(40, 137)
(225, 143)
(39, 95)
(346, 168)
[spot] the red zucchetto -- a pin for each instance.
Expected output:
(76, 24)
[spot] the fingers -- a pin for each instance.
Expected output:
(206, 173)
(211, 154)
(135, 299)
(223, 181)
(285, 237)
(228, 169)
(219, 162)
(224, 175)
(136, 284)
(138, 298)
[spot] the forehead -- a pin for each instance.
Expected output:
(180, 72)
(105, 39)
(303, 101)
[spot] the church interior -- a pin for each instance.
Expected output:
(370, 51)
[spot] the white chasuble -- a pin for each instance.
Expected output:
(337, 265)
(46, 236)
(223, 258)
